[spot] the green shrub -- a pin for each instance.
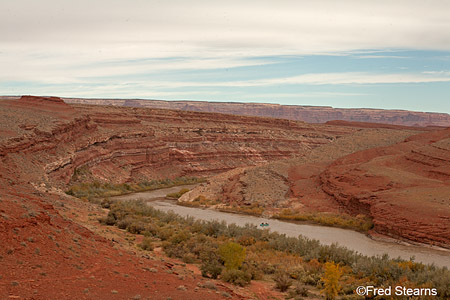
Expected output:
(136, 227)
(237, 277)
(211, 268)
(189, 258)
(146, 244)
(179, 237)
(252, 268)
(124, 223)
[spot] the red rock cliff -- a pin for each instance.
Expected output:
(310, 114)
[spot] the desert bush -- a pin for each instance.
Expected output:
(211, 262)
(146, 244)
(124, 223)
(360, 222)
(136, 227)
(211, 268)
(237, 277)
(189, 258)
(246, 240)
(165, 233)
(106, 203)
(151, 229)
(254, 269)
(178, 194)
(282, 280)
(301, 290)
(179, 237)
(174, 250)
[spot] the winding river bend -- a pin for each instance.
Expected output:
(326, 235)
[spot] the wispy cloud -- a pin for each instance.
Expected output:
(313, 79)
(383, 56)
(219, 49)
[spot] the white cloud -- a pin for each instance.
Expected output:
(76, 43)
(358, 78)
(169, 28)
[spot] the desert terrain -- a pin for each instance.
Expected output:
(309, 114)
(53, 246)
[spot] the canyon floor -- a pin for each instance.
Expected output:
(53, 246)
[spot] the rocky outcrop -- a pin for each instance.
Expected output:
(127, 144)
(293, 183)
(310, 114)
(404, 187)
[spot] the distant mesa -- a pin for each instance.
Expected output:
(49, 104)
(309, 114)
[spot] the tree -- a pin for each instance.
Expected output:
(232, 254)
(331, 280)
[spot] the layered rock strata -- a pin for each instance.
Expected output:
(310, 114)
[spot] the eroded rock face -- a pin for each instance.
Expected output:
(310, 114)
(404, 187)
(127, 144)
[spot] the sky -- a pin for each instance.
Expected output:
(358, 53)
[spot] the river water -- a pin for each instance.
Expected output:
(326, 235)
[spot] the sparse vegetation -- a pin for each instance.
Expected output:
(177, 194)
(146, 244)
(253, 209)
(306, 263)
(282, 280)
(360, 222)
(94, 191)
(237, 277)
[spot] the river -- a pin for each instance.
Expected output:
(326, 235)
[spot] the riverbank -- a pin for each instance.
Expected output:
(200, 237)
(324, 234)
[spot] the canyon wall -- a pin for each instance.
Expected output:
(132, 144)
(309, 114)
